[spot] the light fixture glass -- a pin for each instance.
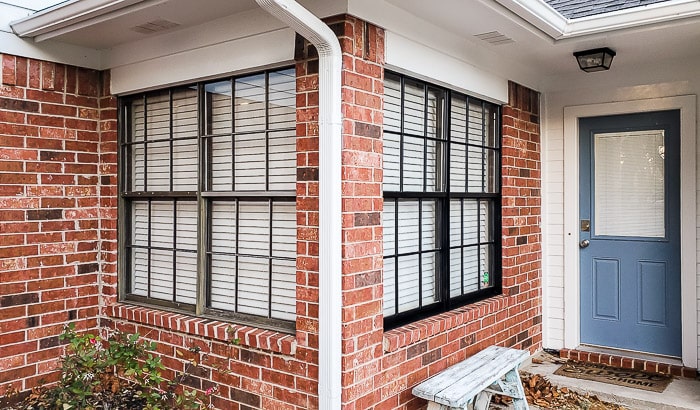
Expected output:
(598, 59)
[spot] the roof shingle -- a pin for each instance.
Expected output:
(573, 9)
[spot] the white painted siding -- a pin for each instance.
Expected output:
(595, 89)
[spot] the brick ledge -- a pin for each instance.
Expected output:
(222, 331)
(625, 362)
(406, 335)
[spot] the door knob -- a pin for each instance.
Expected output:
(584, 243)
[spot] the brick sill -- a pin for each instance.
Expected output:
(403, 336)
(248, 336)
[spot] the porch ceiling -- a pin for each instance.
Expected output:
(535, 36)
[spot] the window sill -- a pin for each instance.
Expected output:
(248, 336)
(406, 335)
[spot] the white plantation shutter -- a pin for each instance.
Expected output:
(458, 147)
(161, 259)
(392, 126)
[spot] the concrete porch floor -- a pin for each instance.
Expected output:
(681, 394)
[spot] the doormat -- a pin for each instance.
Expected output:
(613, 375)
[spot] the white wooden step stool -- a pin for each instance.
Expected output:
(470, 383)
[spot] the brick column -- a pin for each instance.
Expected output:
(521, 210)
(49, 208)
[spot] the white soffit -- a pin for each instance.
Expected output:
(545, 18)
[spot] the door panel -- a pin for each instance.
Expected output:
(630, 218)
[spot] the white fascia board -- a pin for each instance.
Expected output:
(549, 21)
(65, 15)
(229, 57)
(436, 66)
(651, 14)
(539, 14)
(50, 51)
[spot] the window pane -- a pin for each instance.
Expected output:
(429, 221)
(158, 166)
(485, 218)
(476, 124)
(486, 274)
(158, 116)
(470, 222)
(455, 272)
(284, 230)
(492, 171)
(186, 256)
(429, 285)
(282, 99)
(162, 274)
(249, 106)
(409, 220)
(185, 113)
(222, 163)
(223, 282)
(458, 164)
(389, 286)
(470, 269)
(282, 161)
(413, 163)
(250, 162)
(392, 103)
(138, 167)
(409, 277)
(458, 119)
(414, 108)
(389, 227)
(392, 157)
(185, 165)
(433, 182)
(253, 228)
(253, 285)
(137, 131)
(491, 131)
(139, 271)
(217, 97)
(629, 184)
(475, 169)
(455, 222)
(284, 289)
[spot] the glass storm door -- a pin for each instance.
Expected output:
(629, 232)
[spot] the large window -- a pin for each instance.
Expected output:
(441, 199)
(208, 179)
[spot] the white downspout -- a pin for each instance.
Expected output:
(330, 136)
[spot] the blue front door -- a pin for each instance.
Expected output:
(629, 232)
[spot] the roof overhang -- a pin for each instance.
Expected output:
(542, 16)
(74, 15)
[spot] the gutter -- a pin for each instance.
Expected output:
(330, 136)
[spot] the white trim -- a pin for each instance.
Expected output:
(546, 19)
(687, 105)
(436, 66)
(329, 207)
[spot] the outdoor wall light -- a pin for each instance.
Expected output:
(597, 59)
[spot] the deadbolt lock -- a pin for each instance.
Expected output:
(585, 225)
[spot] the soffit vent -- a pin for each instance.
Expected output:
(154, 26)
(494, 38)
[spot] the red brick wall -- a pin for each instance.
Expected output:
(414, 352)
(59, 229)
(51, 187)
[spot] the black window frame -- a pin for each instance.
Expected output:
(204, 196)
(443, 198)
